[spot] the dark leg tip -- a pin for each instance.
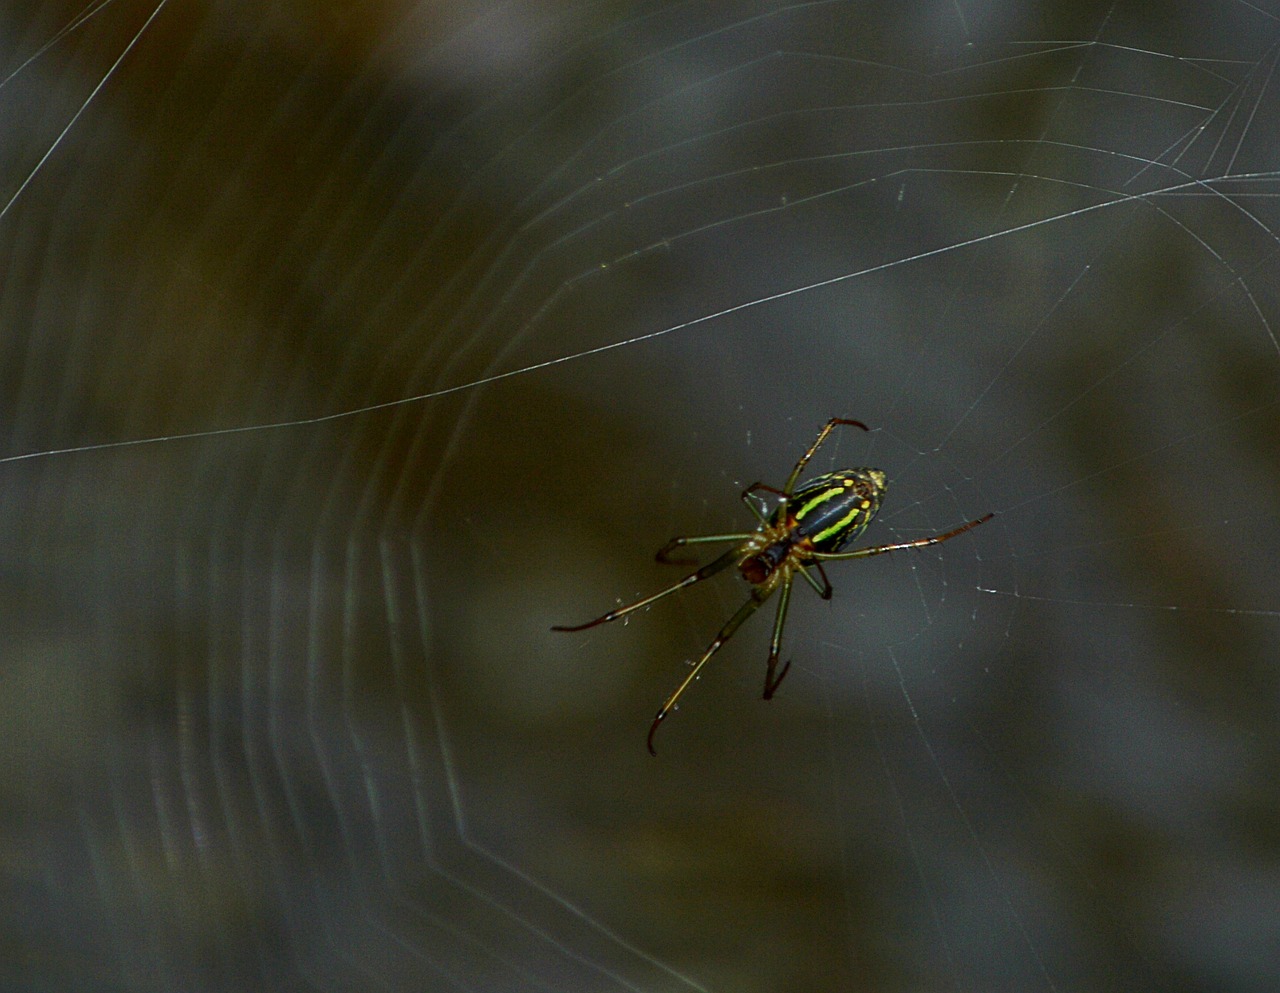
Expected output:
(662, 714)
(611, 616)
(770, 684)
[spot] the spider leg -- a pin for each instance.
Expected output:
(898, 546)
(824, 590)
(708, 570)
(664, 553)
(758, 596)
(775, 644)
(754, 507)
(822, 436)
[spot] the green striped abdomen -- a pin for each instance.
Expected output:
(834, 509)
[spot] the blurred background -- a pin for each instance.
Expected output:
(348, 347)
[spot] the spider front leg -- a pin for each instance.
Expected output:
(708, 570)
(775, 644)
(823, 590)
(758, 596)
(664, 553)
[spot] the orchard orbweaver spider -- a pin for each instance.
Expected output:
(809, 527)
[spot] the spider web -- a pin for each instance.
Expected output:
(347, 349)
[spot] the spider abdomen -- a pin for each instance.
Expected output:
(832, 510)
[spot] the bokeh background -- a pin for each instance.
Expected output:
(348, 347)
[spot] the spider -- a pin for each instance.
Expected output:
(809, 527)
